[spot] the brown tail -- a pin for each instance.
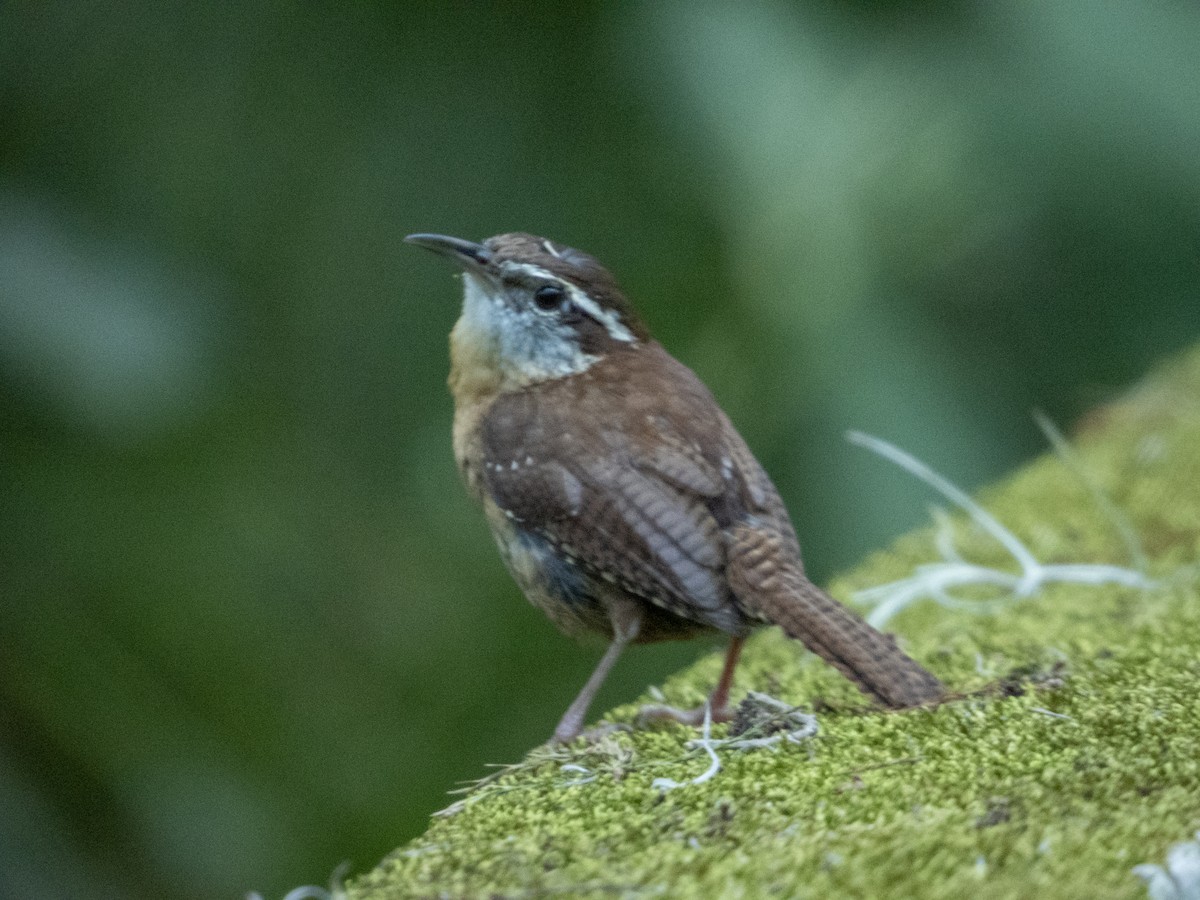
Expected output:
(768, 584)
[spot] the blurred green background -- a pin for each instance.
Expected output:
(250, 625)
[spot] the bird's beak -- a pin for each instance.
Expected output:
(471, 257)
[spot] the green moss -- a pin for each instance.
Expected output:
(1055, 792)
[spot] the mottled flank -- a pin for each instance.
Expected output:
(1076, 761)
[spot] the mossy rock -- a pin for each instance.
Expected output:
(1072, 755)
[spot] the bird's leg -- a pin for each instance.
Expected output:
(626, 622)
(718, 700)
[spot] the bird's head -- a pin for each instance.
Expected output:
(534, 310)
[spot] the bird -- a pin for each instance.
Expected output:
(623, 501)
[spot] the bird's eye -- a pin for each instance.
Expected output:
(549, 296)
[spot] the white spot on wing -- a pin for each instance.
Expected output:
(573, 488)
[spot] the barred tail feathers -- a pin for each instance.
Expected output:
(769, 585)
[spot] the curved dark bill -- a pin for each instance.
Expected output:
(462, 252)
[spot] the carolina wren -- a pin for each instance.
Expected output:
(623, 501)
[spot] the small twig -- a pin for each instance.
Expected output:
(705, 742)
(1051, 713)
(937, 580)
(1071, 460)
(951, 492)
(335, 891)
(1179, 879)
(805, 726)
(589, 775)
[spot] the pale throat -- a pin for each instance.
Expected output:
(494, 350)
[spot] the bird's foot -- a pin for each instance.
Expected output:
(592, 735)
(657, 712)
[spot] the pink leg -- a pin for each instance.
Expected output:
(718, 700)
(624, 631)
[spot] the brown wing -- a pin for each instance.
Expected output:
(635, 492)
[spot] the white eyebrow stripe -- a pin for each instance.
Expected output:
(610, 320)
